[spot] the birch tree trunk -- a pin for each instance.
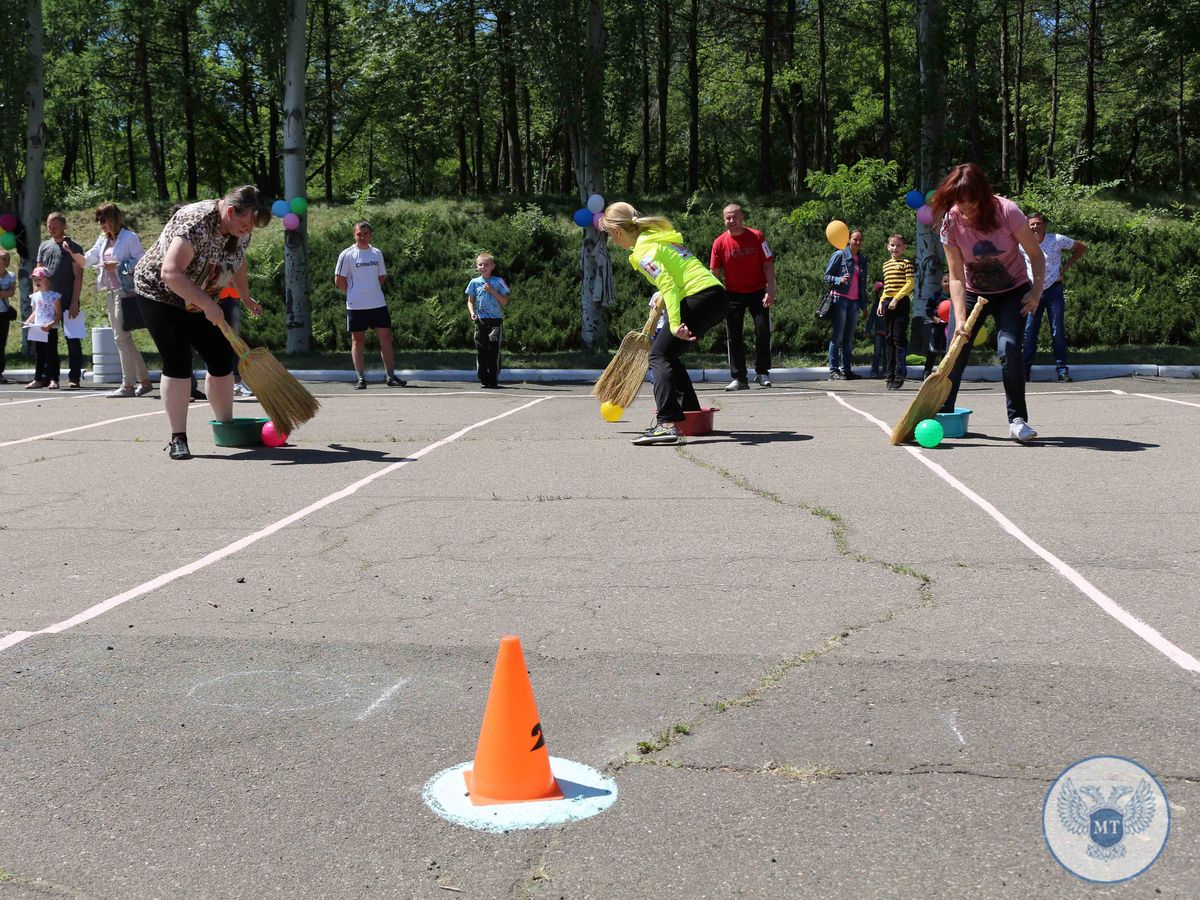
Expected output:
(1054, 51)
(189, 103)
(35, 155)
(693, 51)
(765, 145)
(931, 61)
(1005, 96)
(295, 245)
(1089, 115)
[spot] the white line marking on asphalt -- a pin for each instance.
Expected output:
(241, 544)
(1150, 635)
(384, 697)
(50, 434)
(950, 718)
(70, 395)
(1167, 400)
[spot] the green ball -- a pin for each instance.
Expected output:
(8, 240)
(929, 432)
(929, 196)
(299, 205)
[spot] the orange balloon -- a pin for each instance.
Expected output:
(838, 234)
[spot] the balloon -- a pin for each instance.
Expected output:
(272, 436)
(8, 240)
(929, 432)
(879, 287)
(279, 209)
(291, 221)
(8, 222)
(837, 234)
(299, 205)
(944, 310)
(595, 203)
(929, 197)
(596, 220)
(914, 199)
(925, 215)
(583, 218)
(981, 336)
(610, 412)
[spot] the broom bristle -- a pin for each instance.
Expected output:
(623, 376)
(284, 399)
(628, 344)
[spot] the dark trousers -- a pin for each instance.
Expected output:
(46, 367)
(673, 391)
(895, 329)
(739, 305)
(488, 334)
(1005, 308)
(879, 354)
(5, 319)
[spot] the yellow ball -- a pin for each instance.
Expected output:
(981, 336)
(610, 411)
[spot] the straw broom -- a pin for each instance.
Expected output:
(936, 389)
(622, 379)
(285, 400)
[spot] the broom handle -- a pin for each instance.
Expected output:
(239, 346)
(655, 312)
(960, 340)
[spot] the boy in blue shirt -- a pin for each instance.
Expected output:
(487, 296)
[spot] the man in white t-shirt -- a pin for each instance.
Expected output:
(1053, 246)
(359, 275)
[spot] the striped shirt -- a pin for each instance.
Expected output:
(897, 279)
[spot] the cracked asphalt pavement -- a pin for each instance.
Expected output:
(812, 666)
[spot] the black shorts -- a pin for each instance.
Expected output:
(177, 333)
(362, 319)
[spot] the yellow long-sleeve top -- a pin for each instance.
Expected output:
(897, 279)
(661, 257)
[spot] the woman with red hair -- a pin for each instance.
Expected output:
(982, 234)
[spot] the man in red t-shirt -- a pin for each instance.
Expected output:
(744, 262)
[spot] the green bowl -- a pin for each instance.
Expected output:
(238, 432)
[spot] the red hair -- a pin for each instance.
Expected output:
(967, 188)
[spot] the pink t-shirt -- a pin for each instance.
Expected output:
(851, 291)
(992, 261)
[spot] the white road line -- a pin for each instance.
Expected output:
(384, 698)
(1150, 635)
(1167, 400)
(228, 550)
(50, 434)
(70, 395)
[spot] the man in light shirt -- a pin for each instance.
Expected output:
(1053, 247)
(359, 275)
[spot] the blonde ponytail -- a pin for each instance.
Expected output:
(621, 216)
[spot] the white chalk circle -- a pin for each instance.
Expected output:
(586, 793)
(270, 691)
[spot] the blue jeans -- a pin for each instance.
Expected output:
(1052, 300)
(1005, 308)
(843, 316)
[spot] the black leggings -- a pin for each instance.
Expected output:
(177, 333)
(673, 391)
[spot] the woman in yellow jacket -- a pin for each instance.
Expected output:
(694, 299)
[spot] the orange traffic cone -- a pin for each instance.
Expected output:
(511, 760)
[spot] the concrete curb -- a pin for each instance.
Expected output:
(699, 376)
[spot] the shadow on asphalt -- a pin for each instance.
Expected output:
(749, 438)
(309, 456)
(1107, 445)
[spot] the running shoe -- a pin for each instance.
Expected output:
(659, 434)
(179, 448)
(1020, 431)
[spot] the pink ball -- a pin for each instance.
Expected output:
(8, 222)
(925, 215)
(291, 221)
(272, 436)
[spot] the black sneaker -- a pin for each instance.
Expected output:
(198, 394)
(835, 375)
(1063, 376)
(394, 381)
(659, 434)
(850, 375)
(361, 384)
(179, 448)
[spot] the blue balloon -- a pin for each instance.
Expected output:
(280, 208)
(583, 218)
(914, 199)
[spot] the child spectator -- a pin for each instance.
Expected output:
(359, 274)
(894, 306)
(45, 314)
(935, 327)
(8, 287)
(875, 330)
(487, 295)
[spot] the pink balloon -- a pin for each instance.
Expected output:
(291, 221)
(596, 219)
(8, 222)
(925, 215)
(272, 436)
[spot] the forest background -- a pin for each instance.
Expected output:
(461, 126)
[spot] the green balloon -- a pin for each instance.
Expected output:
(299, 205)
(8, 240)
(929, 432)
(929, 196)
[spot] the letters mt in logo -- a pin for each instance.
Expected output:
(1106, 819)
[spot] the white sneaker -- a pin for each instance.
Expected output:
(1020, 431)
(242, 390)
